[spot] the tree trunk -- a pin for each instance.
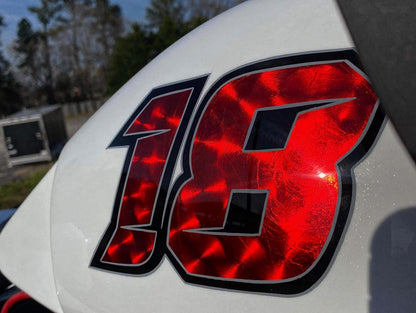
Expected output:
(50, 94)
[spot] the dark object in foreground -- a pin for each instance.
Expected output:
(384, 32)
(5, 215)
(20, 302)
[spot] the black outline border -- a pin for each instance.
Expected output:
(344, 167)
(130, 140)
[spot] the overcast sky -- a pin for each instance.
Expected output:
(13, 10)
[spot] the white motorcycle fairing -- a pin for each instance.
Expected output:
(49, 247)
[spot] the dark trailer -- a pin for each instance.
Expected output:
(34, 135)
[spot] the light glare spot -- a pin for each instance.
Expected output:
(321, 175)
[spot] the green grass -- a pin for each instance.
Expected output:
(13, 194)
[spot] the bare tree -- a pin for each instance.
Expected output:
(47, 13)
(109, 25)
(10, 99)
(160, 10)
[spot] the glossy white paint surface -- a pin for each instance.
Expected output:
(88, 173)
(25, 246)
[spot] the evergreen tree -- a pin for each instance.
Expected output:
(167, 21)
(131, 53)
(10, 100)
(26, 47)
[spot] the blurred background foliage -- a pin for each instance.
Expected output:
(84, 49)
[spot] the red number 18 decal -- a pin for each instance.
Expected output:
(266, 183)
